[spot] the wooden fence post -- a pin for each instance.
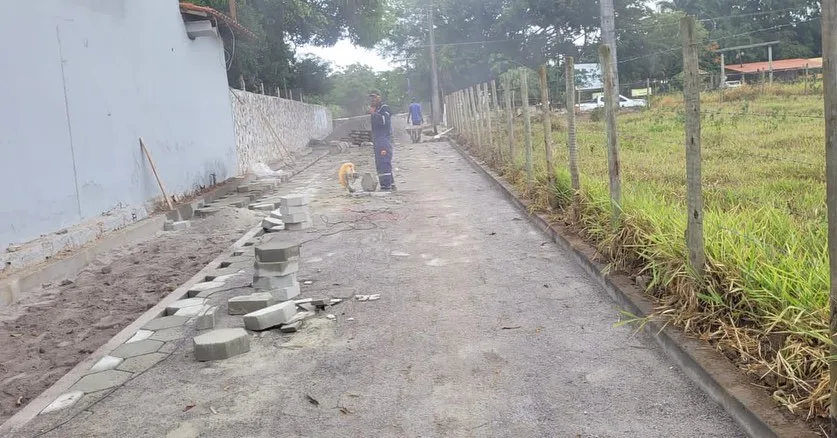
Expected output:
(613, 162)
(527, 123)
(487, 115)
(571, 137)
(694, 196)
(829, 77)
(494, 97)
(507, 94)
(474, 116)
(547, 125)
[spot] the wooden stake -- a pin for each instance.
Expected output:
(694, 193)
(156, 176)
(571, 135)
(494, 97)
(614, 163)
(547, 125)
(487, 115)
(507, 94)
(527, 123)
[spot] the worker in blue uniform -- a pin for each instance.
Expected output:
(382, 139)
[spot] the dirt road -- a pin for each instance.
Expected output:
(484, 328)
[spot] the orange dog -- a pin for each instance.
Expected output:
(347, 176)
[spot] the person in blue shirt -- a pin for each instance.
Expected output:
(414, 114)
(382, 139)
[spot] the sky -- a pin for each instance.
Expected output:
(344, 53)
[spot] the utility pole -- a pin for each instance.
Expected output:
(694, 191)
(434, 77)
(614, 163)
(829, 70)
(609, 39)
(571, 133)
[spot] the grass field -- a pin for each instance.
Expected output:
(766, 303)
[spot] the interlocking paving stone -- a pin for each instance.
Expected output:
(139, 364)
(168, 334)
(276, 250)
(203, 287)
(206, 320)
(172, 308)
(165, 322)
(276, 269)
(221, 344)
(140, 335)
(192, 311)
(299, 227)
(106, 363)
(99, 381)
(270, 317)
(137, 348)
(63, 401)
(294, 200)
(245, 304)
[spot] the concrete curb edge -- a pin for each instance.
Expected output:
(33, 408)
(748, 405)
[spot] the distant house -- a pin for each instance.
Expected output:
(783, 69)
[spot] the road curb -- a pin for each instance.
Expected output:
(747, 404)
(33, 408)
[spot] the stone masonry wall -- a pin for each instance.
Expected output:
(268, 128)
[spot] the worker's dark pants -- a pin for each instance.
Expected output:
(383, 161)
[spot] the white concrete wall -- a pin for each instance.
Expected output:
(81, 81)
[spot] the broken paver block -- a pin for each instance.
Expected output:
(276, 269)
(221, 344)
(63, 401)
(206, 320)
(269, 222)
(369, 182)
(249, 303)
(192, 311)
(165, 322)
(99, 381)
(298, 227)
(169, 334)
(287, 211)
(276, 214)
(139, 336)
(142, 363)
(286, 293)
(106, 363)
(291, 327)
(136, 348)
(270, 316)
(275, 250)
(294, 200)
(296, 218)
(203, 287)
(172, 308)
(273, 282)
(176, 225)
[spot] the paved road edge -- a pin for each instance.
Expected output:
(748, 405)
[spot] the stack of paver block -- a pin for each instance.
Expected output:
(277, 264)
(295, 212)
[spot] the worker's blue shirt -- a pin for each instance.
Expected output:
(415, 114)
(382, 123)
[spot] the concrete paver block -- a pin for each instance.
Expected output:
(176, 225)
(263, 206)
(223, 274)
(165, 322)
(106, 363)
(99, 381)
(276, 269)
(290, 327)
(136, 348)
(294, 200)
(168, 347)
(169, 334)
(192, 311)
(172, 308)
(273, 282)
(249, 303)
(269, 222)
(296, 218)
(63, 401)
(206, 211)
(275, 250)
(138, 364)
(276, 214)
(206, 320)
(140, 335)
(226, 277)
(204, 287)
(221, 344)
(286, 293)
(369, 182)
(299, 227)
(288, 211)
(270, 316)
(275, 229)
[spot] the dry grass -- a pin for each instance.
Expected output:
(764, 304)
